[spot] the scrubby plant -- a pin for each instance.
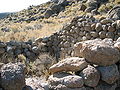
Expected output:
(40, 67)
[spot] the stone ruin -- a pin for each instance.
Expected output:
(95, 65)
(90, 49)
(81, 28)
(60, 44)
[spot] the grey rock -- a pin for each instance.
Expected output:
(91, 76)
(118, 23)
(2, 45)
(24, 45)
(102, 34)
(118, 40)
(97, 52)
(36, 83)
(105, 27)
(2, 50)
(109, 74)
(30, 55)
(13, 76)
(66, 79)
(18, 51)
(69, 64)
(110, 35)
(111, 29)
(109, 41)
(88, 36)
(87, 28)
(94, 34)
(117, 45)
(63, 87)
(35, 49)
(98, 27)
(106, 21)
(93, 26)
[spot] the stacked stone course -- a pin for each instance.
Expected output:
(82, 28)
(94, 66)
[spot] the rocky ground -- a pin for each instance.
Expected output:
(82, 54)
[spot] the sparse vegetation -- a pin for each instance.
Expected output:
(40, 67)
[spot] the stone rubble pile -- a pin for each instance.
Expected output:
(94, 66)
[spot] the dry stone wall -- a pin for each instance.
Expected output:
(13, 49)
(97, 69)
(94, 45)
(82, 28)
(60, 44)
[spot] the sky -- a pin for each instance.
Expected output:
(17, 5)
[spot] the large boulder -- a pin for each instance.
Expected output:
(109, 74)
(100, 52)
(91, 76)
(13, 76)
(114, 12)
(65, 79)
(69, 64)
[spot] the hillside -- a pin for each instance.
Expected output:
(30, 23)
